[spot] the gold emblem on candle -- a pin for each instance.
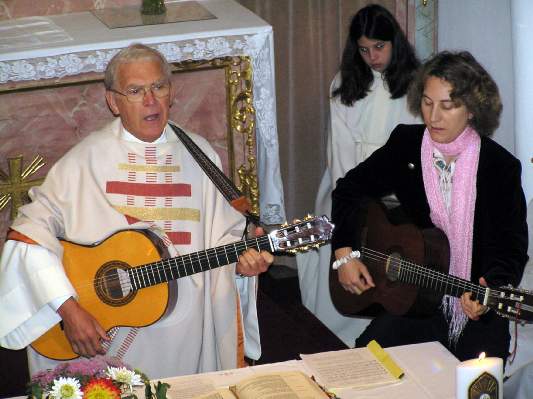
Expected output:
(14, 185)
(484, 387)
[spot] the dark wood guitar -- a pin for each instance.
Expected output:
(121, 279)
(396, 255)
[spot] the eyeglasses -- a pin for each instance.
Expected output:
(135, 94)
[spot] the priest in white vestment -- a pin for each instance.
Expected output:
(134, 173)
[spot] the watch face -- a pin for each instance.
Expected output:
(484, 387)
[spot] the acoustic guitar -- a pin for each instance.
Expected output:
(409, 267)
(123, 280)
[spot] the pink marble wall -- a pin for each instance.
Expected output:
(50, 121)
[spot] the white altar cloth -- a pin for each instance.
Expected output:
(429, 374)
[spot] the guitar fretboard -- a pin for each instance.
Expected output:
(181, 266)
(411, 273)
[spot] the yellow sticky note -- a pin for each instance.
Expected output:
(384, 358)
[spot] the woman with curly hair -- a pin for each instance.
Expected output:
(368, 99)
(447, 174)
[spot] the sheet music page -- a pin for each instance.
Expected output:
(349, 368)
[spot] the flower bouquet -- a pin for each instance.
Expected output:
(99, 377)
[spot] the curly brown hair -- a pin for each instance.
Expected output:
(472, 86)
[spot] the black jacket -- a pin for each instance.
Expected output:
(500, 230)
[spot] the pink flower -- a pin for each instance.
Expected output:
(84, 369)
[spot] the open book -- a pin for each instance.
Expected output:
(282, 385)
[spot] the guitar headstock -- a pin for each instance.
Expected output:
(302, 235)
(512, 303)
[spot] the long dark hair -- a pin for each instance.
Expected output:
(377, 23)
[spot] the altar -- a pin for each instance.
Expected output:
(429, 373)
(52, 95)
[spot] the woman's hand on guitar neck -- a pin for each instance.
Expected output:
(353, 275)
(473, 309)
(81, 329)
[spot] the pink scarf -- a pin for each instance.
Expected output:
(458, 224)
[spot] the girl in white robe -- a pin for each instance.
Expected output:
(367, 101)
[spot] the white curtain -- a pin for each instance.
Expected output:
(499, 34)
(522, 36)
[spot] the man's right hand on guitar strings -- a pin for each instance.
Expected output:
(82, 330)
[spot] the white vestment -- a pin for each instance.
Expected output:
(106, 184)
(354, 133)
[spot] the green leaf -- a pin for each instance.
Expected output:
(161, 390)
(148, 390)
(35, 391)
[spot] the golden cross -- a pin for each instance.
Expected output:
(14, 186)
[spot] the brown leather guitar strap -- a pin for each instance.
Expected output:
(219, 179)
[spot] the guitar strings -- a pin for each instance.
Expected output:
(210, 255)
(141, 273)
(213, 254)
(424, 272)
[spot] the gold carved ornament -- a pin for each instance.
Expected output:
(241, 118)
(14, 185)
(240, 95)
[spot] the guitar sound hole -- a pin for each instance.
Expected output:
(112, 284)
(393, 266)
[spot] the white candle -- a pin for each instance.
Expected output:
(469, 371)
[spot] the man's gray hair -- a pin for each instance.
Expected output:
(133, 53)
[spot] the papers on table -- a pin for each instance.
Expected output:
(352, 368)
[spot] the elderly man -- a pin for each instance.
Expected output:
(133, 173)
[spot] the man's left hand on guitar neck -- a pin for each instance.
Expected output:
(251, 262)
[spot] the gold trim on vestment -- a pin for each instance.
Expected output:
(145, 213)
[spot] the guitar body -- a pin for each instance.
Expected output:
(86, 266)
(396, 237)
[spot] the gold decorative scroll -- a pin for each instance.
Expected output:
(241, 118)
(14, 185)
